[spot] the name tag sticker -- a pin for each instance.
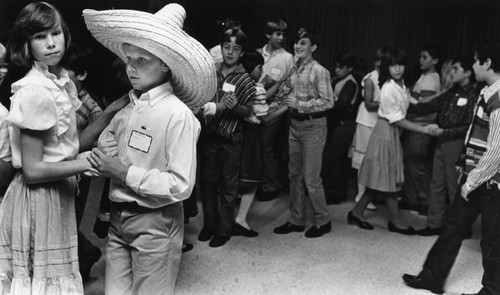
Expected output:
(275, 71)
(140, 141)
(226, 87)
(461, 101)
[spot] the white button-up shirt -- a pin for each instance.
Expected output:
(156, 135)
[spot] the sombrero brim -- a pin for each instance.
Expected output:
(194, 78)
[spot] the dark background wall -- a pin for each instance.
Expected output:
(359, 26)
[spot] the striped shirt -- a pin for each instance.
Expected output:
(227, 123)
(311, 86)
(482, 143)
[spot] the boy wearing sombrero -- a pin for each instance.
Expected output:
(156, 133)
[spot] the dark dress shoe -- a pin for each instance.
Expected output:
(205, 235)
(429, 231)
(410, 231)
(318, 231)
(187, 247)
(351, 219)
(416, 282)
(288, 228)
(239, 230)
(219, 240)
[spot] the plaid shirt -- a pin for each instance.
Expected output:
(455, 109)
(311, 85)
(88, 111)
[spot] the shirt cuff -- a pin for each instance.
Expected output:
(134, 177)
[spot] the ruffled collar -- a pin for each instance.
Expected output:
(63, 82)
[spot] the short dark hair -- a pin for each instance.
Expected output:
(489, 49)
(436, 51)
(466, 62)
(250, 60)
(34, 18)
(79, 58)
(308, 34)
(393, 57)
(275, 26)
(346, 59)
(241, 38)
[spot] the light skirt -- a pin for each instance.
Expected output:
(38, 239)
(382, 166)
(359, 144)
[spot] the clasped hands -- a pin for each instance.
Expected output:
(105, 161)
(433, 130)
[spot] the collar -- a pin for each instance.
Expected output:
(239, 68)
(266, 53)
(467, 87)
(301, 65)
(153, 96)
(44, 68)
(488, 91)
(391, 81)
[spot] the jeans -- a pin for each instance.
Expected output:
(484, 201)
(306, 143)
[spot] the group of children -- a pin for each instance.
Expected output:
(185, 107)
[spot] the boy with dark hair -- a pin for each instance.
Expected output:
(341, 121)
(277, 64)
(455, 109)
(309, 96)
(479, 193)
(221, 141)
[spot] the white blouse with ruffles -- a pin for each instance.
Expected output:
(394, 101)
(41, 101)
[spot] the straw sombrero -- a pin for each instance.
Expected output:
(194, 79)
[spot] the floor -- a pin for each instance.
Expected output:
(348, 260)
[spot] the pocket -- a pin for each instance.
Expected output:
(172, 219)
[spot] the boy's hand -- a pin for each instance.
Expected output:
(108, 166)
(230, 100)
(109, 147)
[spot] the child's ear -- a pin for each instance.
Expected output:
(314, 47)
(165, 68)
(487, 63)
(81, 77)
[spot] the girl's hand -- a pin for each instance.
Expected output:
(108, 166)
(89, 170)
(429, 129)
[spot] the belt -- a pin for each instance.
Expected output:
(303, 117)
(129, 206)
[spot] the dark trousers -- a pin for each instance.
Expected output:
(220, 165)
(484, 200)
(336, 163)
(418, 152)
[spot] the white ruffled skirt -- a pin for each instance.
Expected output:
(38, 239)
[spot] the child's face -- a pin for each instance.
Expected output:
(256, 73)
(427, 62)
(231, 52)
(458, 74)
(144, 70)
(480, 70)
(276, 39)
(341, 71)
(48, 46)
(303, 48)
(397, 72)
